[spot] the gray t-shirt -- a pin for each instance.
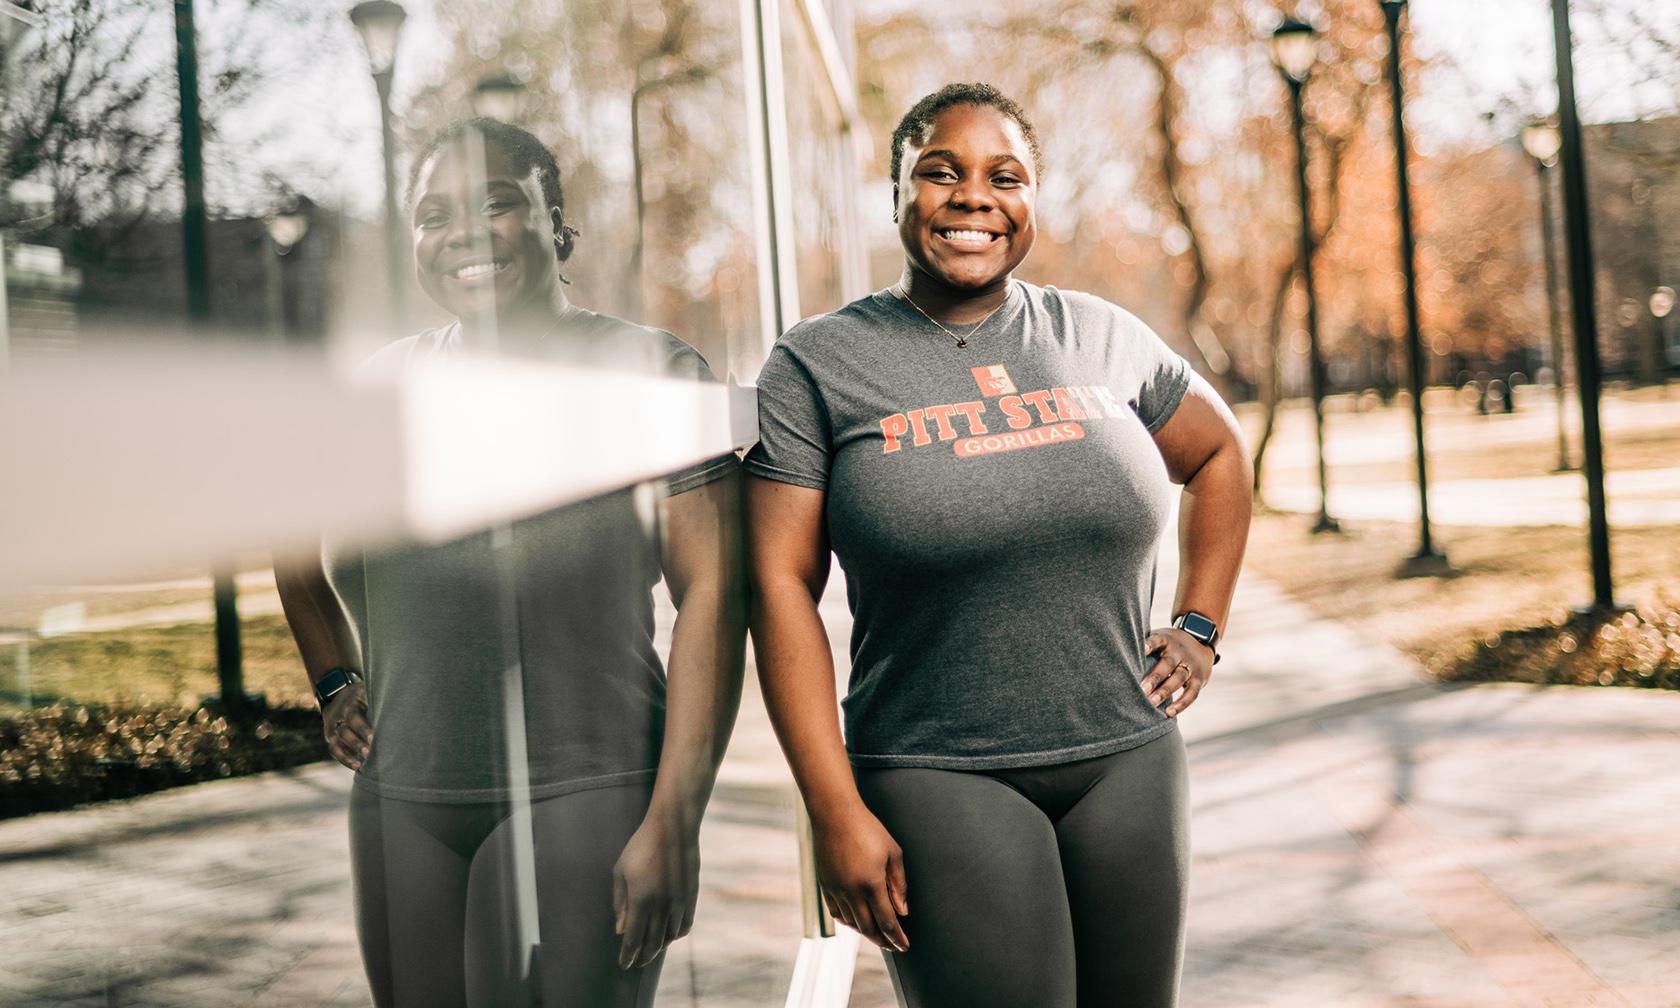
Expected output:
(567, 597)
(996, 509)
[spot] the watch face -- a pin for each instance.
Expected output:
(1198, 626)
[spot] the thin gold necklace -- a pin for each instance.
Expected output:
(961, 341)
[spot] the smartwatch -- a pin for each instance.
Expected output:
(334, 682)
(1201, 628)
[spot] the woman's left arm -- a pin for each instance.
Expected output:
(1204, 451)
(656, 881)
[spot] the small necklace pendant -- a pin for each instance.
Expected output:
(962, 343)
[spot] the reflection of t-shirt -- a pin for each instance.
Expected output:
(996, 509)
(567, 597)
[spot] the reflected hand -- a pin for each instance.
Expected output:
(344, 722)
(655, 885)
(861, 868)
(1181, 663)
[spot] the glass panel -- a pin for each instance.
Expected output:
(512, 479)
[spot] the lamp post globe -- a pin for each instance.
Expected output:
(1662, 301)
(1542, 141)
(288, 223)
(499, 96)
(379, 22)
(1294, 48)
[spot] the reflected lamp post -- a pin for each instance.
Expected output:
(1578, 240)
(1661, 304)
(195, 261)
(499, 96)
(1427, 561)
(1294, 51)
(379, 23)
(15, 21)
(1541, 140)
(286, 226)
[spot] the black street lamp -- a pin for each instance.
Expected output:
(1294, 50)
(195, 260)
(379, 22)
(1541, 140)
(1578, 236)
(1427, 561)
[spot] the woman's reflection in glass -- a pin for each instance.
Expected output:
(459, 819)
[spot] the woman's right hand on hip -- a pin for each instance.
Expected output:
(344, 722)
(862, 872)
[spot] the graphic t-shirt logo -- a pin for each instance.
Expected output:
(1030, 419)
(993, 380)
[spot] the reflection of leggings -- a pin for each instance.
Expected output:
(1050, 886)
(435, 900)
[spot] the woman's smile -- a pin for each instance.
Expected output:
(474, 271)
(968, 239)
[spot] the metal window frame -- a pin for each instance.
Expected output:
(822, 976)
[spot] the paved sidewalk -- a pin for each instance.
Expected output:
(1635, 498)
(1361, 838)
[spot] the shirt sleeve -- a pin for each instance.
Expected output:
(794, 439)
(1164, 376)
(683, 361)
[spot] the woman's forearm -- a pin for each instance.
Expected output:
(315, 615)
(703, 694)
(1213, 524)
(796, 672)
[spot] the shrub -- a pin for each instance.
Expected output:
(56, 757)
(1636, 648)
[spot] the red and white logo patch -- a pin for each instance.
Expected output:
(993, 380)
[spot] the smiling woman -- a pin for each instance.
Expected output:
(522, 768)
(489, 227)
(990, 461)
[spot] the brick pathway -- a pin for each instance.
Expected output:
(1360, 838)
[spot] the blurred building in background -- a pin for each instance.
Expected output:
(1634, 183)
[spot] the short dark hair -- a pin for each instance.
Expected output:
(523, 152)
(918, 122)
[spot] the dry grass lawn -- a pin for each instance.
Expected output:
(1508, 579)
(154, 665)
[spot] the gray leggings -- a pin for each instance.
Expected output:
(436, 891)
(1055, 886)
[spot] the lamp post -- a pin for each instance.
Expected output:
(1661, 304)
(286, 226)
(195, 258)
(499, 96)
(1427, 561)
(379, 22)
(1541, 140)
(1294, 50)
(1578, 239)
(15, 21)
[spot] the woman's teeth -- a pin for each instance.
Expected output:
(476, 270)
(967, 236)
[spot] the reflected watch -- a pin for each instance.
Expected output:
(333, 682)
